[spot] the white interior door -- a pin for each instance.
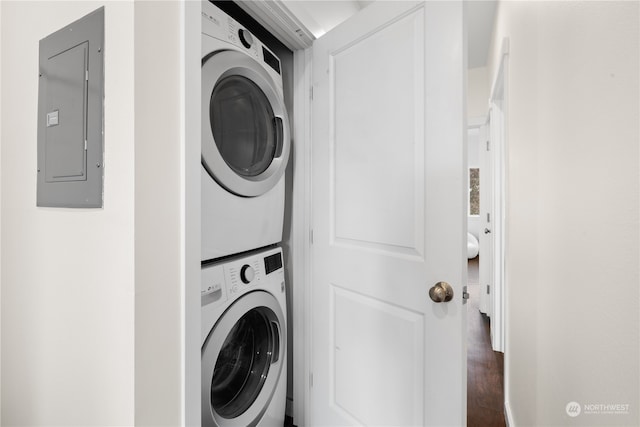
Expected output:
(485, 271)
(389, 218)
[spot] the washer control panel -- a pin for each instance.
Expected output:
(247, 273)
(228, 279)
(212, 285)
(243, 275)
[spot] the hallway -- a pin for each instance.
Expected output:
(485, 368)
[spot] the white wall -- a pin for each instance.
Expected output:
(477, 92)
(473, 154)
(0, 215)
(160, 261)
(573, 209)
(67, 274)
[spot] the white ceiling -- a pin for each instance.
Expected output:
(321, 16)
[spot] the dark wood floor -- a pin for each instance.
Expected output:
(485, 367)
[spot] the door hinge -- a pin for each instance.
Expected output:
(311, 236)
(311, 93)
(85, 145)
(488, 217)
(86, 75)
(488, 289)
(311, 380)
(465, 295)
(488, 146)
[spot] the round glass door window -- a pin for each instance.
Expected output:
(242, 122)
(243, 363)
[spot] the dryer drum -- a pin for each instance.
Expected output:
(244, 126)
(243, 362)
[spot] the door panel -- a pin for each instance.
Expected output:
(370, 142)
(377, 381)
(389, 218)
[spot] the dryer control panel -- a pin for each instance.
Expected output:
(219, 25)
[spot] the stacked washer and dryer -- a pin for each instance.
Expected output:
(245, 148)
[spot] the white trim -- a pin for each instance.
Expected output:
(505, 230)
(276, 17)
(498, 123)
(1, 206)
(508, 415)
(301, 242)
(190, 210)
(499, 107)
(476, 122)
(497, 141)
(504, 52)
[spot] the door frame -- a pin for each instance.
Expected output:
(277, 19)
(481, 124)
(297, 38)
(301, 237)
(498, 129)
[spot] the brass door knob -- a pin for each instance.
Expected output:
(441, 292)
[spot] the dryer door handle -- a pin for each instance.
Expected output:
(278, 130)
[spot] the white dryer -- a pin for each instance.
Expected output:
(244, 341)
(245, 139)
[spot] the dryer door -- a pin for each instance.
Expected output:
(242, 359)
(245, 128)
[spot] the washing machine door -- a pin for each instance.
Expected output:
(242, 359)
(245, 128)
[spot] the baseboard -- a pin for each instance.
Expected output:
(508, 416)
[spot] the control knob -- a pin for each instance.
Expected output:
(246, 38)
(247, 273)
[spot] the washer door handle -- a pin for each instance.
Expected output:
(275, 335)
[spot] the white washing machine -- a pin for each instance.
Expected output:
(244, 341)
(245, 139)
